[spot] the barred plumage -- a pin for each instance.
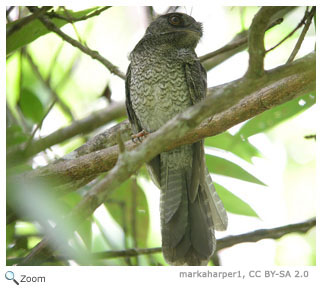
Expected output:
(163, 79)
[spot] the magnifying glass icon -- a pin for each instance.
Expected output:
(11, 276)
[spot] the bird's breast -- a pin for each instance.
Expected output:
(158, 91)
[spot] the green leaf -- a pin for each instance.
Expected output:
(85, 231)
(25, 228)
(235, 144)
(225, 167)
(67, 203)
(70, 200)
(15, 135)
(36, 29)
(10, 231)
(272, 117)
(125, 208)
(233, 203)
(30, 105)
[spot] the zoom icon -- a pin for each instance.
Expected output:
(11, 276)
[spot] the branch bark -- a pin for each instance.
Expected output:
(256, 39)
(96, 119)
(227, 105)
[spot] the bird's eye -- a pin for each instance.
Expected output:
(175, 20)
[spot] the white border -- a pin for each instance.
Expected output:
(154, 276)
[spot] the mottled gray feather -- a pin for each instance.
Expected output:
(163, 79)
(219, 214)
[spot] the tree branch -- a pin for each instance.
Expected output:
(300, 24)
(302, 36)
(231, 103)
(96, 119)
(226, 242)
(256, 40)
(241, 99)
(209, 61)
(236, 45)
(40, 124)
(72, 19)
(222, 243)
(108, 138)
(94, 54)
(24, 21)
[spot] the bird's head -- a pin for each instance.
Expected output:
(178, 29)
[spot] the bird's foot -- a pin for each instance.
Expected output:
(139, 136)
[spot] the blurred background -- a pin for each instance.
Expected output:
(263, 169)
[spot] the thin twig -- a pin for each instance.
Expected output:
(24, 21)
(229, 241)
(239, 40)
(272, 233)
(39, 125)
(8, 11)
(300, 24)
(53, 93)
(94, 54)
(96, 119)
(223, 243)
(69, 17)
(72, 19)
(54, 62)
(302, 36)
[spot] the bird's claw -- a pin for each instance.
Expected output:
(139, 136)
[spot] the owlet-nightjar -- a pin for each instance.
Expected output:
(164, 78)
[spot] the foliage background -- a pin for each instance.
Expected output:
(264, 169)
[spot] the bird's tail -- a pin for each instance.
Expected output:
(187, 224)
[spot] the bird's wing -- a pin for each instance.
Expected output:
(136, 127)
(154, 165)
(196, 80)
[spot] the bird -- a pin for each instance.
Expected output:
(163, 79)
